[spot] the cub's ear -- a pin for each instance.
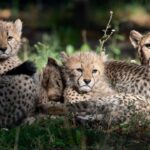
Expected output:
(18, 26)
(103, 56)
(51, 61)
(64, 57)
(134, 37)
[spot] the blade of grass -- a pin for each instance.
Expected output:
(17, 138)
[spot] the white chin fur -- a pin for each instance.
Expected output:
(84, 89)
(3, 56)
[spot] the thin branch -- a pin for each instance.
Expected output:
(108, 24)
(106, 36)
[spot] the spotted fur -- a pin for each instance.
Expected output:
(18, 95)
(128, 77)
(113, 110)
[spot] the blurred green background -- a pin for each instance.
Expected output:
(51, 26)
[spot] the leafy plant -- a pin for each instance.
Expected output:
(49, 47)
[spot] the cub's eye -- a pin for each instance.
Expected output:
(94, 70)
(79, 70)
(10, 38)
(147, 45)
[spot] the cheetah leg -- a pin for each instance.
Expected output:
(53, 108)
(111, 110)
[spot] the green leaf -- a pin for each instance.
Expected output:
(85, 47)
(70, 49)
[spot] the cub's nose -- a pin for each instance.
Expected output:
(3, 49)
(87, 81)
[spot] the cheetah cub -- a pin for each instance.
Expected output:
(128, 77)
(89, 96)
(51, 91)
(52, 80)
(10, 41)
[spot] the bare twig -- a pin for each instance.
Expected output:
(106, 36)
(108, 24)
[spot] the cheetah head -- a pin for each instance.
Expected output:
(52, 80)
(142, 43)
(83, 71)
(10, 37)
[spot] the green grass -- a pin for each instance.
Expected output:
(58, 134)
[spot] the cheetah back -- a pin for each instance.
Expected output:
(128, 77)
(18, 95)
